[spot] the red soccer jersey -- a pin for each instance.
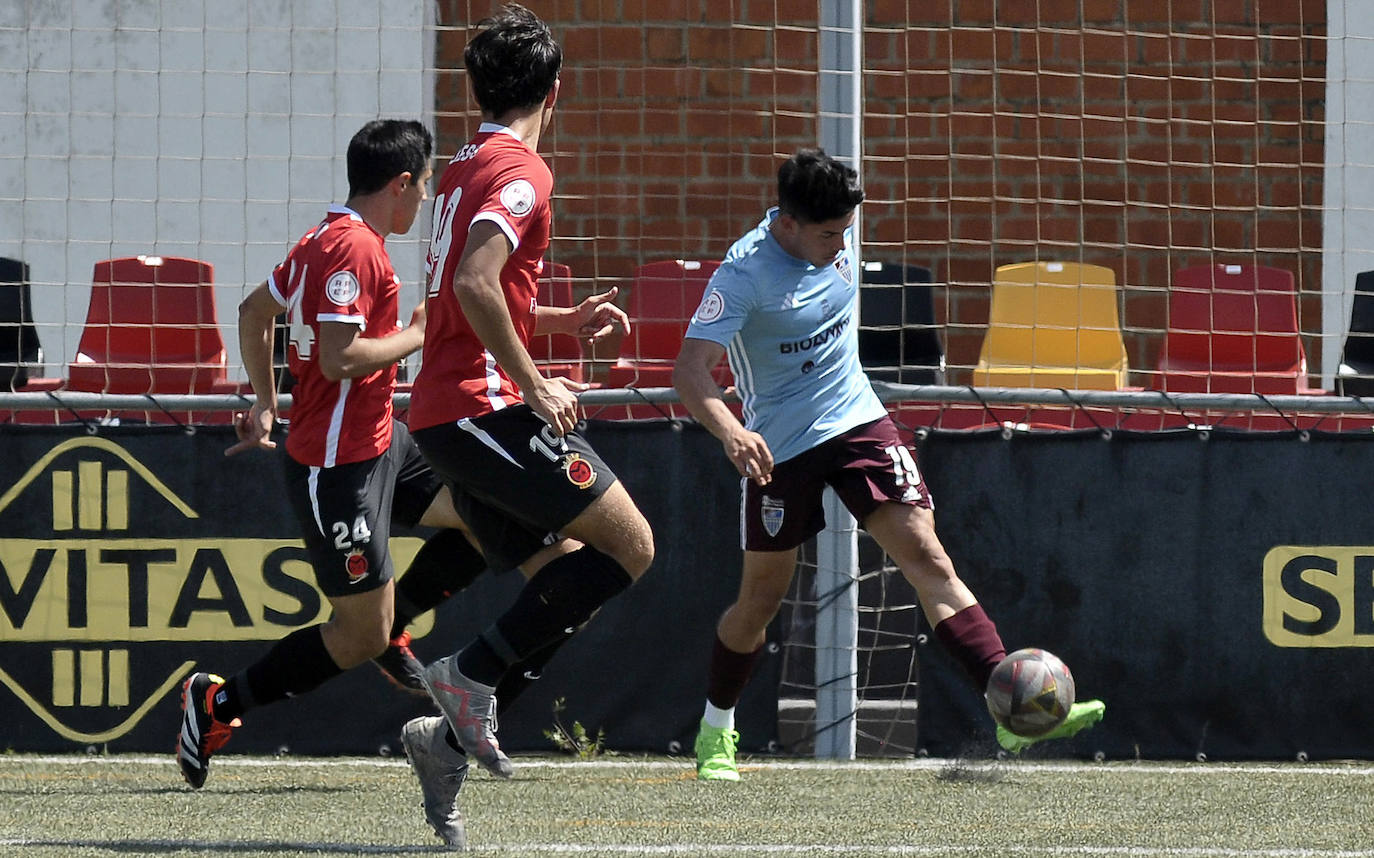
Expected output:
(337, 272)
(497, 178)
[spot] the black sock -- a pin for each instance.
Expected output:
(228, 703)
(516, 680)
(559, 598)
(452, 740)
(294, 665)
(446, 564)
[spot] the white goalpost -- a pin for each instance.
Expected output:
(837, 556)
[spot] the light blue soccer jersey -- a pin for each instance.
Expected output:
(791, 332)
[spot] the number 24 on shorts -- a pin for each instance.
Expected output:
(360, 533)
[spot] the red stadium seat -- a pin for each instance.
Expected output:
(664, 297)
(557, 354)
(1233, 329)
(662, 300)
(151, 327)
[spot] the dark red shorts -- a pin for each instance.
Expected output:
(867, 466)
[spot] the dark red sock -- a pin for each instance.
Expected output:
(972, 639)
(730, 672)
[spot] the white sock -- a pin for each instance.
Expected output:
(721, 719)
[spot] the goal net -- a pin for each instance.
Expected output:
(1039, 178)
(888, 628)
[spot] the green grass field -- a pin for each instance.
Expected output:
(619, 806)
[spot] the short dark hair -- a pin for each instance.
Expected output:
(814, 187)
(384, 149)
(514, 62)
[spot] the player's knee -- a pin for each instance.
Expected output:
(635, 552)
(377, 642)
(638, 560)
(370, 646)
(933, 568)
(757, 608)
(922, 553)
(356, 642)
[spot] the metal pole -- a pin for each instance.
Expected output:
(837, 613)
(837, 632)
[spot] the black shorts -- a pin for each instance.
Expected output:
(867, 466)
(514, 483)
(416, 483)
(346, 512)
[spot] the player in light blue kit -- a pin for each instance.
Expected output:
(784, 306)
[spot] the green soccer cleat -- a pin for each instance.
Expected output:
(716, 753)
(1081, 716)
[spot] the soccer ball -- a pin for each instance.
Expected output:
(1030, 692)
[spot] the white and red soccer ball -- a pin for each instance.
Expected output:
(1030, 692)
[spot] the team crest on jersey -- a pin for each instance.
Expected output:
(580, 472)
(712, 306)
(846, 271)
(771, 514)
(342, 288)
(356, 566)
(518, 197)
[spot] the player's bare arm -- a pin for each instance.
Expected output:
(590, 321)
(257, 328)
(477, 285)
(345, 353)
(702, 397)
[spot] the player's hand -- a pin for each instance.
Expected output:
(575, 386)
(555, 402)
(418, 318)
(597, 316)
(254, 430)
(751, 456)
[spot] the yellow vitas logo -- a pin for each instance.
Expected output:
(1319, 596)
(94, 592)
(160, 589)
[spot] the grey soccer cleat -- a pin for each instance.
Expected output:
(470, 708)
(441, 772)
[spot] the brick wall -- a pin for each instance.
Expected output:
(670, 125)
(1135, 134)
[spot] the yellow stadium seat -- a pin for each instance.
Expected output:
(1053, 324)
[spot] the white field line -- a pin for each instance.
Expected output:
(686, 764)
(1004, 851)
(856, 849)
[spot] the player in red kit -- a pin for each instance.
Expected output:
(502, 436)
(351, 469)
